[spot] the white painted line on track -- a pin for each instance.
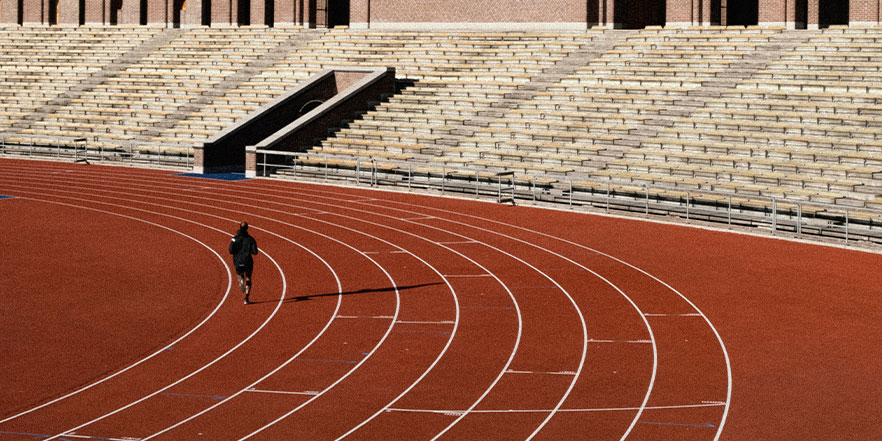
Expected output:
(281, 392)
(166, 347)
(674, 315)
(412, 322)
(383, 317)
(125, 438)
(646, 323)
(382, 340)
(565, 410)
(449, 340)
(385, 207)
(571, 300)
(592, 340)
(278, 305)
(510, 371)
(661, 282)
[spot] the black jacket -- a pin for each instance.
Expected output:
(242, 247)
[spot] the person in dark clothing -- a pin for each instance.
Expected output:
(242, 247)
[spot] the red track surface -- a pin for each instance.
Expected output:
(385, 316)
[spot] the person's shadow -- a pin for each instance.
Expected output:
(346, 293)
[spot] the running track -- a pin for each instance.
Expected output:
(387, 316)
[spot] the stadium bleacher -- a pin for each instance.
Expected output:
(746, 111)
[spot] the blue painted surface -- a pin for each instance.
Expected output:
(3, 196)
(216, 176)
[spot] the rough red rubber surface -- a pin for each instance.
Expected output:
(384, 316)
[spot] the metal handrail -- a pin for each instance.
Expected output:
(708, 205)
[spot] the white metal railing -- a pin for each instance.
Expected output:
(86, 150)
(776, 215)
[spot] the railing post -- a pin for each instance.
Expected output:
(687, 205)
(512, 189)
(608, 191)
(646, 212)
(409, 176)
(774, 215)
(846, 228)
(357, 171)
(729, 211)
(798, 218)
(571, 192)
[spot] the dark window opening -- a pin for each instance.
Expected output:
(244, 13)
(638, 14)
(742, 13)
(832, 12)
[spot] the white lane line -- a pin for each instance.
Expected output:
(413, 322)
(600, 253)
(379, 317)
(268, 319)
(335, 312)
(565, 410)
(578, 311)
(262, 208)
(510, 371)
(583, 324)
(293, 357)
(572, 384)
(385, 336)
(450, 339)
(168, 346)
(281, 392)
(722, 345)
(592, 340)
(674, 315)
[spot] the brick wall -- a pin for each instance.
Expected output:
(403, 12)
(864, 11)
(479, 14)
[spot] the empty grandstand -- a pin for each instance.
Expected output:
(760, 113)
